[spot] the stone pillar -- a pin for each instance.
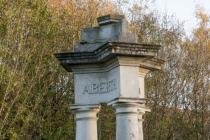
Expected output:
(127, 121)
(109, 66)
(86, 121)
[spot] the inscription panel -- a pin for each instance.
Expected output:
(95, 88)
(103, 87)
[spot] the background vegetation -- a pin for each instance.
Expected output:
(35, 92)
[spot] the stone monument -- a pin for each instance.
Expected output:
(109, 66)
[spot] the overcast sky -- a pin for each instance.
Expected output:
(184, 10)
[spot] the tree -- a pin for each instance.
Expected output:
(35, 92)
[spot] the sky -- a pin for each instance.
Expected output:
(183, 10)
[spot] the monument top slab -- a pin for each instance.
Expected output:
(111, 28)
(110, 19)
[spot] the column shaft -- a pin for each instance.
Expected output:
(86, 123)
(127, 122)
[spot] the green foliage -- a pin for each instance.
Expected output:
(106, 123)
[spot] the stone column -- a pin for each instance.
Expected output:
(86, 121)
(127, 121)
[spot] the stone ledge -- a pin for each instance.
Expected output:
(106, 52)
(108, 19)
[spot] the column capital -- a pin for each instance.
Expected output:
(86, 121)
(78, 107)
(127, 110)
(85, 111)
(128, 105)
(127, 101)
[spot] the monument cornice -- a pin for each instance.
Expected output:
(109, 51)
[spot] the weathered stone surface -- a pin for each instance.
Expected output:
(111, 28)
(111, 50)
(111, 71)
(96, 88)
(103, 86)
(108, 19)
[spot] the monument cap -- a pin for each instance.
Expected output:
(111, 28)
(109, 19)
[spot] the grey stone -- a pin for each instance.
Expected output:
(111, 50)
(108, 19)
(111, 28)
